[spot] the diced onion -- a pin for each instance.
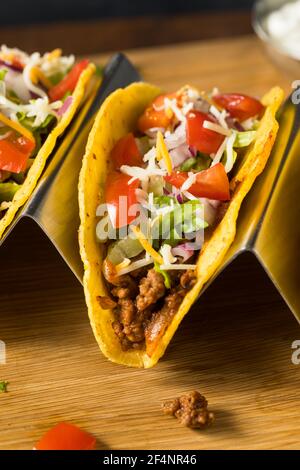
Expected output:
(180, 154)
(183, 252)
(67, 103)
(136, 265)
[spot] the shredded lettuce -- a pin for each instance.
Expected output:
(12, 96)
(243, 139)
(56, 78)
(163, 201)
(186, 218)
(188, 164)
(8, 190)
(198, 163)
(28, 122)
(203, 162)
(224, 158)
(3, 72)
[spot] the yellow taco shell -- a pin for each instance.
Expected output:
(34, 173)
(117, 116)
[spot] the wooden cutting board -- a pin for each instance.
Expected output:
(234, 346)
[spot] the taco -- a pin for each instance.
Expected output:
(184, 161)
(39, 95)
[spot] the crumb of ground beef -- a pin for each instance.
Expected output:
(142, 320)
(130, 324)
(119, 331)
(188, 279)
(126, 310)
(161, 319)
(152, 288)
(106, 302)
(191, 410)
(121, 292)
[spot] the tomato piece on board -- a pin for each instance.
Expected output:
(14, 152)
(65, 436)
(239, 106)
(126, 152)
(120, 197)
(212, 183)
(69, 82)
(204, 140)
(153, 116)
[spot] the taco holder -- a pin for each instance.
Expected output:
(268, 222)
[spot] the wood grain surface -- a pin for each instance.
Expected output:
(234, 346)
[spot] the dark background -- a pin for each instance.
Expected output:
(87, 27)
(41, 11)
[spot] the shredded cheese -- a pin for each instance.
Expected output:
(124, 264)
(54, 54)
(219, 153)
(162, 152)
(169, 267)
(172, 104)
(167, 254)
(146, 245)
(189, 181)
(136, 265)
(142, 174)
(17, 127)
(33, 62)
(219, 115)
(216, 128)
(169, 113)
(230, 153)
(36, 75)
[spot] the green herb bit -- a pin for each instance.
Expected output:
(3, 386)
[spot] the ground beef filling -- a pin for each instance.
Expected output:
(191, 410)
(145, 307)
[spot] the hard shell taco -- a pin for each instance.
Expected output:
(161, 185)
(39, 95)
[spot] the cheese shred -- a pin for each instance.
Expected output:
(162, 152)
(17, 127)
(146, 245)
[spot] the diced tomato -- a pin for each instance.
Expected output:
(14, 152)
(126, 152)
(153, 116)
(199, 137)
(159, 100)
(65, 436)
(120, 197)
(211, 183)
(69, 82)
(239, 106)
